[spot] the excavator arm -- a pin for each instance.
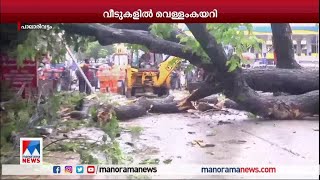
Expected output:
(165, 69)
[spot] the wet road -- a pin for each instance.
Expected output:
(233, 141)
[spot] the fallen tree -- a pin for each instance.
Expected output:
(108, 35)
(140, 107)
(292, 81)
(237, 85)
(236, 88)
(233, 84)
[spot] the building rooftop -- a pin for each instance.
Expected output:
(265, 28)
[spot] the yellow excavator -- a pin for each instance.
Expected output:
(149, 74)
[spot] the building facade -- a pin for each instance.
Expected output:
(305, 38)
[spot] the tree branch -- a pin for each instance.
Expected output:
(107, 35)
(131, 26)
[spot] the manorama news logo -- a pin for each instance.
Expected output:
(31, 150)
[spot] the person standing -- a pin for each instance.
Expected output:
(182, 80)
(83, 87)
(174, 76)
(178, 82)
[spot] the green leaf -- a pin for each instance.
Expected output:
(233, 63)
(232, 67)
(162, 30)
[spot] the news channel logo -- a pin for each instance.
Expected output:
(56, 169)
(31, 151)
(79, 169)
(68, 169)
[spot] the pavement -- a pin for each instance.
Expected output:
(233, 141)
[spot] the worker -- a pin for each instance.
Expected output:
(174, 80)
(275, 57)
(83, 86)
(183, 83)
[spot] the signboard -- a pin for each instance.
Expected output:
(16, 76)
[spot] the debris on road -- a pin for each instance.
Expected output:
(224, 122)
(201, 144)
(209, 133)
(167, 161)
(43, 130)
(150, 161)
(211, 153)
(234, 141)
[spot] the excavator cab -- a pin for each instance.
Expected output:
(149, 74)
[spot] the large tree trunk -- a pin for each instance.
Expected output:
(283, 46)
(292, 81)
(143, 105)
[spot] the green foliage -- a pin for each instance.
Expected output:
(115, 153)
(112, 128)
(71, 100)
(87, 158)
(150, 161)
(36, 43)
(52, 107)
(136, 47)
(15, 119)
(229, 34)
(162, 30)
(95, 50)
(242, 41)
(55, 101)
(193, 45)
(234, 62)
(94, 113)
(72, 123)
(70, 146)
(136, 130)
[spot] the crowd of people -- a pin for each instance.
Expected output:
(180, 77)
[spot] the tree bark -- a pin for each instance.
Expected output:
(292, 81)
(131, 26)
(283, 46)
(145, 27)
(143, 105)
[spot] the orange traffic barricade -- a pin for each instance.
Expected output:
(108, 78)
